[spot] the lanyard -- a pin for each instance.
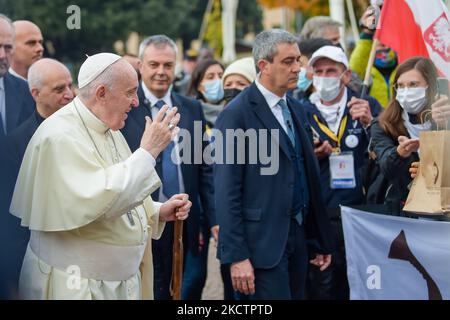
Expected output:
(330, 133)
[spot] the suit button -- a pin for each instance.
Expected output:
(291, 185)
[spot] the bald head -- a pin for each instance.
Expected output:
(50, 84)
(6, 43)
(28, 45)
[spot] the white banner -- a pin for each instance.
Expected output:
(396, 258)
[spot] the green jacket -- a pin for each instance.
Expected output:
(358, 63)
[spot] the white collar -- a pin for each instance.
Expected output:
(153, 99)
(333, 114)
(88, 117)
(271, 98)
(2, 84)
(15, 74)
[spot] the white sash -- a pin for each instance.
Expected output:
(95, 260)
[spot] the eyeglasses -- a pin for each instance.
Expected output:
(412, 84)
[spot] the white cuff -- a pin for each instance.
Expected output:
(149, 156)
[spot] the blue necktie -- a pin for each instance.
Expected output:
(287, 120)
(287, 117)
(171, 184)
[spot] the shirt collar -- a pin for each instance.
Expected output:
(271, 98)
(15, 74)
(91, 121)
(153, 99)
(2, 84)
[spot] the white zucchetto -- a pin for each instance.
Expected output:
(94, 66)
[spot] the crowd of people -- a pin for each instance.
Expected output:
(95, 175)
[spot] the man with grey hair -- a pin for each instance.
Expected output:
(85, 196)
(265, 220)
(16, 103)
(321, 27)
(158, 58)
(50, 85)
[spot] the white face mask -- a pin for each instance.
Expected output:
(328, 88)
(412, 100)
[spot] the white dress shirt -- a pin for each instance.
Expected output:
(15, 74)
(272, 100)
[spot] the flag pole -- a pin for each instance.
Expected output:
(366, 83)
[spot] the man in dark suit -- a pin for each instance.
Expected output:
(50, 84)
(193, 176)
(267, 218)
(16, 103)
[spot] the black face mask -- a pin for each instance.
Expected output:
(230, 94)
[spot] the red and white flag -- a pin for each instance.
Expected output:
(417, 28)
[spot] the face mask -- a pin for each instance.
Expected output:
(213, 91)
(303, 82)
(385, 58)
(328, 88)
(412, 100)
(230, 94)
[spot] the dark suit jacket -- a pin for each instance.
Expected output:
(19, 103)
(253, 210)
(14, 238)
(16, 143)
(197, 176)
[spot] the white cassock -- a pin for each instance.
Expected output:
(86, 200)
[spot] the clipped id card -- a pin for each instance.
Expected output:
(342, 170)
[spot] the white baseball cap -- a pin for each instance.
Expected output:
(331, 52)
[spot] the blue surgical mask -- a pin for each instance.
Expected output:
(213, 91)
(303, 82)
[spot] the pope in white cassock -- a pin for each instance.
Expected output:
(86, 198)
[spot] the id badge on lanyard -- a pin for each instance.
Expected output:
(342, 170)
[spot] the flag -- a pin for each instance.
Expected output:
(417, 28)
(396, 258)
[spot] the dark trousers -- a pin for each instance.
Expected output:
(286, 281)
(332, 283)
(195, 271)
(162, 263)
(228, 291)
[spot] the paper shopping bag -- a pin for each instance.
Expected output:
(430, 190)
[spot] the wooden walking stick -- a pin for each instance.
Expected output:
(177, 260)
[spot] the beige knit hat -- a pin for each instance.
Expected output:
(244, 67)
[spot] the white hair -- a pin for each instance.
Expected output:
(36, 74)
(107, 78)
(9, 21)
(316, 26)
